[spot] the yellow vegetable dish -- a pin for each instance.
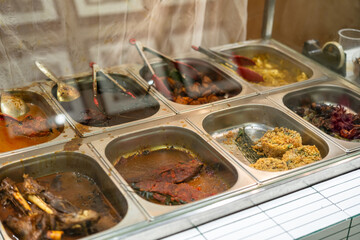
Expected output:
(276, 73)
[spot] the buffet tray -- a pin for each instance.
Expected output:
(273, 48)
(200, 128)
(34, 95)
(335, 91)
(138, 71)
(172, 133)
(88, 130)
(83, 161)
(258, 114)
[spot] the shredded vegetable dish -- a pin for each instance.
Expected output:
(333, 120)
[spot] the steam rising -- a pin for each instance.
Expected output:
(67, 35)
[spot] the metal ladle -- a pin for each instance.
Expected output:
(65, 92)
(13, 106)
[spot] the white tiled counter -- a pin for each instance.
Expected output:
(328, 210)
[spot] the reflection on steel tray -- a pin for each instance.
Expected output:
(119, 107)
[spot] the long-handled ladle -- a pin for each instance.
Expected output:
(160, 86)
(65, 92)
(12, 106)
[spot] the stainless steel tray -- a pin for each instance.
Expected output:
(85, 162)
(259, 115)
(237, 89)
(99, 147)
(73, 109)
(279, 51)
(34, 95)
(335, 92)
(174, 133)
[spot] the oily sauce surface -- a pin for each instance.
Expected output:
(207, 181)
(79, 190)
(10, 142)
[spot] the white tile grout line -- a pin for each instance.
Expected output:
(277, 224)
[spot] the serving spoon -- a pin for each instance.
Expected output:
(65, 92)
(12, 106)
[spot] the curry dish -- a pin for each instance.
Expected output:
(32, 129)
(65, 205)
(200, 92)
(276, 73)
(170, 176)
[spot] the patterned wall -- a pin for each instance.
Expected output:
(68, 34)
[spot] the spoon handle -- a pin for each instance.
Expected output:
(159, 54)
(47, 72)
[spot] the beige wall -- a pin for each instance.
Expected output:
(299, 20)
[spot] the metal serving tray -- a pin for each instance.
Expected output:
(234, 88)
(84, 82)
(85, 162)
(175, 133)
(334, 92)
(32, 94)
(277, 51)
(258, 114)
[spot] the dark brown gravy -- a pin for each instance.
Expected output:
(207, 181)
(11, 142)
(82, 192)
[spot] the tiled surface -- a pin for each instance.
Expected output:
(329, 210)
(337, 231)
(192, 234)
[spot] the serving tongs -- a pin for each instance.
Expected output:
(237, 59)
(244, 72)
(95, 70)
(188, 73)
(154, 78)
